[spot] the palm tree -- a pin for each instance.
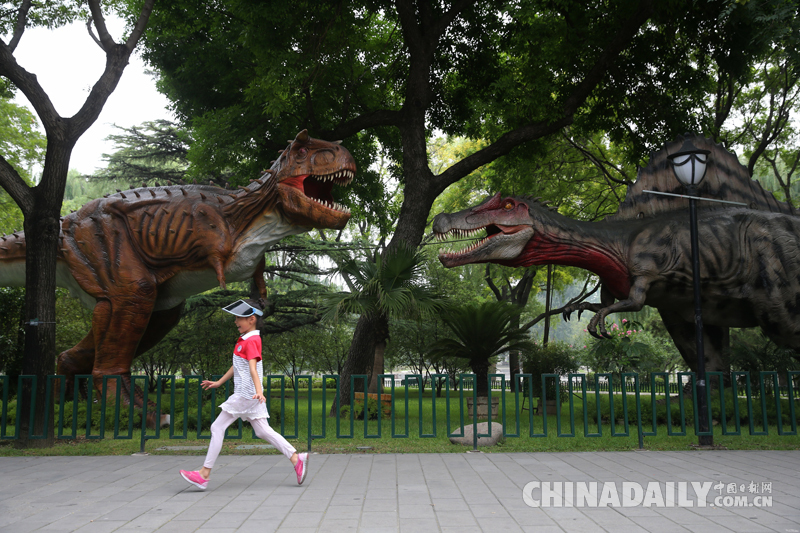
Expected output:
(389, 287)
(481, 331)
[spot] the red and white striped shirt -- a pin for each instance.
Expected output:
(247, 347)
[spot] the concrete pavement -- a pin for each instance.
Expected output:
(464, 492)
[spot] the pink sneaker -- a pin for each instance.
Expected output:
(195, 479)
(301, 467)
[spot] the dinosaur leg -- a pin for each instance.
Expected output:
(80, 358)
(118, 325)
(161, 323)
(606, 299)
(77, 360)
(716, 343)
(635, 302)
(258, 277)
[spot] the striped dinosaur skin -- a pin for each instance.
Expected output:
(135, 256)
(749, 256)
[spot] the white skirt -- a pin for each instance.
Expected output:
(245, 408)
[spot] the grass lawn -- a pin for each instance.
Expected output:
(405, 437)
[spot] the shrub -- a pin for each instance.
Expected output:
(358, 410)
(555, 358)
(675, 410)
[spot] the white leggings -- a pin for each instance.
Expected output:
(260, 426)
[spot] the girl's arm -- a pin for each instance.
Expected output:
(214, 384)
(259, 395)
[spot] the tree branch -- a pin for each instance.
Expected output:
(91, 33)
(500, 147)
(15, 186)
(607, 57)
(141, 24)
(447, 18)
(408, 25)
(579, 298)
(22, 21)
(106, 42)
(510, 140)
(30, 87)
(492, 286)
(600, 164)
(381, 117)
(117, 57)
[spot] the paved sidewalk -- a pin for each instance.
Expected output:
(461, 493)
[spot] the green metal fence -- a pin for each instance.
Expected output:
(302, 408)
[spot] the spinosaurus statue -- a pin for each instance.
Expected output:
(135, 256)
(749, 256)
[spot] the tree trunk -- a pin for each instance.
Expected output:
(41, 205)
(716, 345)
(16, 357)
(547, 305)
(517, 295)
(481, 371)
(377, 366)
(359, 359)
(513, 356)
(42, 228)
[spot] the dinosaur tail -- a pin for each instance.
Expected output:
(12, 260)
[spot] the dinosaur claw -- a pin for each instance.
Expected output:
(594, 334)
(565, 315)
(606, 335)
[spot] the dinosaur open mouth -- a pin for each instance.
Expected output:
(318, 188)
(491, 231)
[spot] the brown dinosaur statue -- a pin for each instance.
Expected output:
(749, 256)
(135, 256)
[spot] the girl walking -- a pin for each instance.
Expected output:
(247, 401)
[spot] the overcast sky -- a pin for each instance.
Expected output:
(67, 63)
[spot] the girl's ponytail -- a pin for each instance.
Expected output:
(261, 305)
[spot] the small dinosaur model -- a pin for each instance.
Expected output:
(135, 256)
(749, 256)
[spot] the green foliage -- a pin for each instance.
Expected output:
(480, 332)
(623, 352)
(553, 358)
(22, 145)
(390, 285)
(639, 343)
(358, 410)
(250, 85)
(313, 348)
(344, 69)
(673, 416)
(12, 339)
(73, 321)
(752, 351)
(409, 348)
(49, 14)
(148, 153)
(185, 410)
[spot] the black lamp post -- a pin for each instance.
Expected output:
(689, 165)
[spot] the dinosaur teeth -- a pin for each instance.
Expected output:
(332, 205)
(459, 233)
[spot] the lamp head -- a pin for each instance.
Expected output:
(689, 164)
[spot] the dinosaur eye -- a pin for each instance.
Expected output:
(508, 205)
(302, 152)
